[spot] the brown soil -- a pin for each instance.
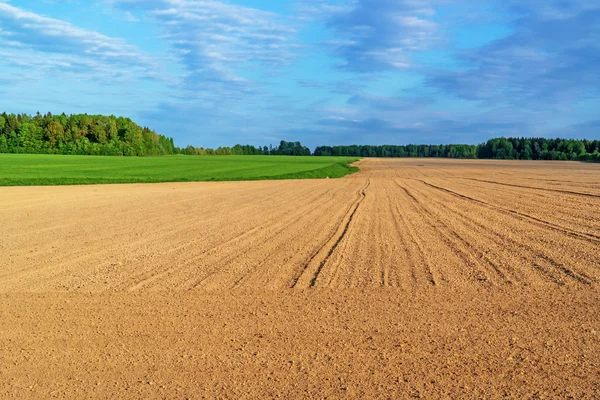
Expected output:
(454, 279)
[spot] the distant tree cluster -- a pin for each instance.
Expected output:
(500, 148)
(540, 149)
(80, 134)
(284, 149)
(411, 150)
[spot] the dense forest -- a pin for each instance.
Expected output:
(80, 134)
(118, 136)
(500, 148)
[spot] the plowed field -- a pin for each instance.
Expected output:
(431, 278)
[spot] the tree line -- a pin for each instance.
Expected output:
(540, 149)
(284, 149)
(498, 148)
(82, 134)
(411, 150)
(118, 136)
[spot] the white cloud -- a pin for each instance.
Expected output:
(382, 35)
(215, 40)
(47, 44)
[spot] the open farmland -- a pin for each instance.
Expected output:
(51, 169)
(424, 278)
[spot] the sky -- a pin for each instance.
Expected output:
(324, 72)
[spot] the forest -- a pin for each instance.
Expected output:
(499, 148)
(82, 134)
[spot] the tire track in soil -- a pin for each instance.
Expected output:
(571, 212)
(140, 284)
(534, 187)
(505, 270)
(305, 228)
(450, 237)
(230, 243)
(382, 274)
(416, 258)
(580, 182)
(314, 266)
(343, 259)
(501, 240)
(266, 199)
(404, 245)
(420, 253)
(269, 238)
(66, 262)
(580, 235)
(176, 229)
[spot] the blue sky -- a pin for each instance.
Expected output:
(212, 73)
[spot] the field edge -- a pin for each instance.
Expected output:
(335, 170)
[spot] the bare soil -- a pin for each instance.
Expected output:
(413, 278)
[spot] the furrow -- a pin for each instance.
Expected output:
(451, 238)
(534, 187)
(580, 235)
(414, 240)
(502, 241)
(218, 268)
(314, 266)
(401, 231)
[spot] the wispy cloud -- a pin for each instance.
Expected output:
(51, 45)
(311, 10)
(551, 57)
(215, 41)
(129, 17)
(378, 36)
(311, 84)
(387, 103)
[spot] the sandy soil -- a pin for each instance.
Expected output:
(413, 278)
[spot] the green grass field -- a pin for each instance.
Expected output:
(41, 169)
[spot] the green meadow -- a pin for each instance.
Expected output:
(41, 169)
